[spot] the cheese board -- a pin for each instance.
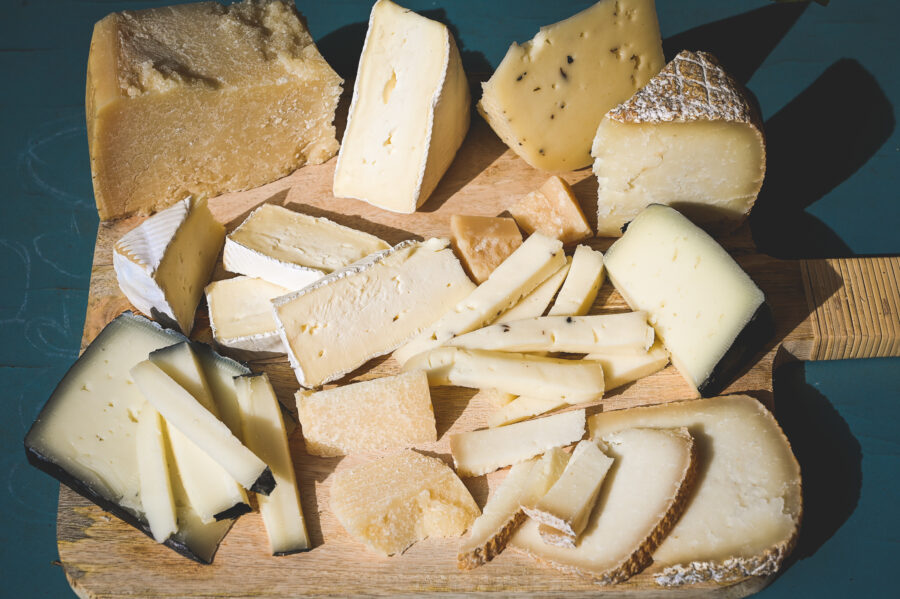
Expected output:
(823, 309)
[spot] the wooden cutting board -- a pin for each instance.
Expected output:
(824, 309)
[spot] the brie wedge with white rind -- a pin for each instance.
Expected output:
(163, 264)
(582, 284)
(292, 249)
(241, 317)
(535, 303)
(157, 500)
(265, 435)
(88, 442)
(368, 309)
(526, 268)
(409, 113)
(744, 515)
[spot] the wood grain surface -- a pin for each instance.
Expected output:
(103, 557)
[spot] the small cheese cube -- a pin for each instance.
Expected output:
(483, 242)
(553, 211)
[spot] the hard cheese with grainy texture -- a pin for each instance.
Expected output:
(200, 99)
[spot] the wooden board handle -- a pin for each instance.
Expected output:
(854, 308)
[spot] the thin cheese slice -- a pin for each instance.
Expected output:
(623, 368)
(496, 398)
(219, 373)
(582, 284)
(535, 303)
(241, 317)
(376, 415)
(265, 436)
(479, 452)
(571, 381)
(395, 501)
(643, 496)
(523, 408)
(153, 469)
(606, 333)
(526, 268)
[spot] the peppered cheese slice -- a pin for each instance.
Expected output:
(241, 317)
(157, 500)
(623, 368)
(710, 315)
(526, 268)
(409, 113)
(387, 413)
(200, 99)
(483, 242)
(548, 95)
(580, 288)
(553, 211)
(292, 249)
(482, 451)
(690, 138)
(163, 264)
(265, 435)
(395, 501)
(535, 303)
(368, 309)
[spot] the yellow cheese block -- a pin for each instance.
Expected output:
(483, 242)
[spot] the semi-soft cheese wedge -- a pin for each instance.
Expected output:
(87, 441)
(392, 412)
(479, 452)
(163, 264)
(548, 95)
(606, 333)
(409, 113)
(623, 368)
(265, 435)
(292, 249)
(368, 309)
(157, 500)
(690, 138)
(526, 268)
(710, 315)
(241, 317)
(641, 499)
(183, 412)
(200, 99)
(483, 242)
(554, 211)
(570, 381)
(743, 517)
(535, 303)
(395, 501)
(580, 288)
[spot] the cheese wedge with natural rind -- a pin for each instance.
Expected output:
(535, 303)
(157, 500)
(744, 515)
(580, 288)
(240, 315)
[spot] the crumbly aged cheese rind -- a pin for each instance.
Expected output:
(483, 242)
(199, 99)
(744, 515)
(535, 303)
(689, 138)
(623, 368)
(240, 315)
(580, 288)
(376, 415)
(548, 95)
(292, 249)
(163, 264)
(395, 501)
(157, 500)
(554, 211)
(409, 113)
(368, 309)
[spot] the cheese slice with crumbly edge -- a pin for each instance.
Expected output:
(292, 249)
(163, 264)
(623, 368)
(525, 269)
(240, 315)
(265, 435)
(397, 500)
(479, 452)
(535, 303)
(548, 95)
(483, 242)
(153, 469)
(409, 113)
(368, 309)
(581, 285)
(392, 412)
(554, 211)
(644, 494)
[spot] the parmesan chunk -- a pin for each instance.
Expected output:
(553, 211)
(582, 284)
(535, 303)
(483, 242)
(395, 501)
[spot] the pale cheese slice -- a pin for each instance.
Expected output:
(368, 416)
(241, 317)
(525, 269)
(623, 368)
(580, 289)
(535, 303)
(523, 407)
(157, 500)
(292, 249)
(479, 452)
(265, 435)
(496, 397)
(220, 373)
(395, 501)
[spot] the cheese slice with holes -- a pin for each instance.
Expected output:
(409, 113)
(535, 303)
(157, 500)
(580, 288)
(163, 264)
(292, 249)
(241, 316)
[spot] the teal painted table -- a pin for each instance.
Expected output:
(827, 82)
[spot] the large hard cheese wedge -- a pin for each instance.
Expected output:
(641, 499)
(548, 95)
(709, 314)
(391, 503)
(88, 441)
(292, 249)
(368, 309)
(163, 264)
(744, 515)
(199, 99)
(690, 138)
(409, 113)
(240, 315)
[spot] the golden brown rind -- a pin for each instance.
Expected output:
(495, 545)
